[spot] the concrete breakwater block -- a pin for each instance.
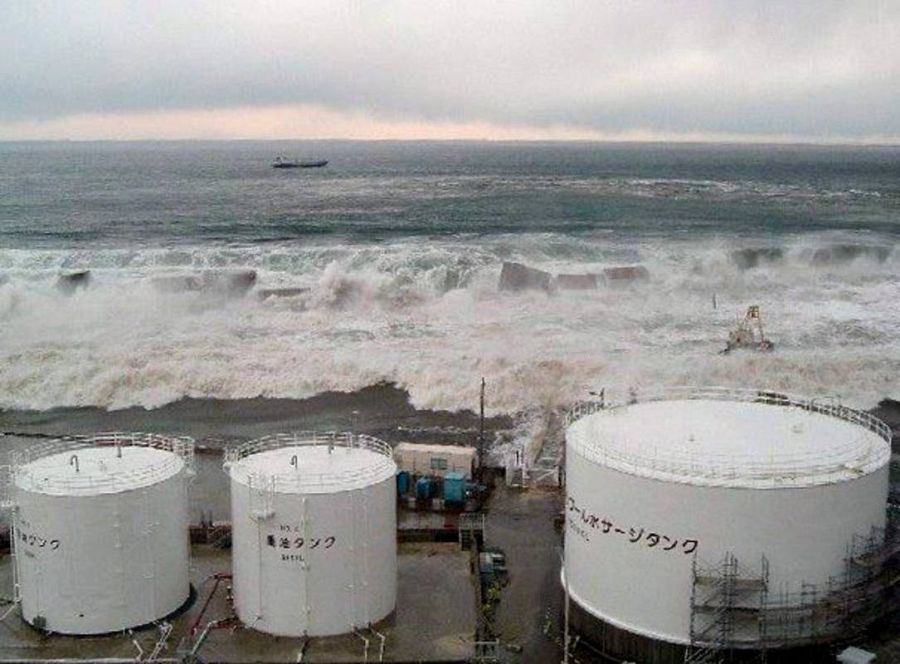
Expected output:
(751, 257)
(844, 253)
(627, 273)
(237, 282)
(266, 293)
(517, 277)
(69, 282)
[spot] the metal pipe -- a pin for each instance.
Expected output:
(382, 639)
(72, 660)
(165, 630)
(73, 461)
(366, 647)
(196, 623)
(481, 426)
(12, 606)
(202, 637)
(302, 650)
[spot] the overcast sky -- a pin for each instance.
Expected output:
(719, 69)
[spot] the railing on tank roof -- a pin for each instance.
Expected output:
(726, 468)
(304, 479)
(824, 405)
(181, 448)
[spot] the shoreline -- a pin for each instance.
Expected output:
(382, 410)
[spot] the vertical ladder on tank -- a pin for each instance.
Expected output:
(149, 567)
(119, 546)
(306, 566)
(261, 498)
(367, 534)
(359, 584)
(354, 566)
(363, 582)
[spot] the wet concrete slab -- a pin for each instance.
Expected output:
(521, 523)
(434, 620)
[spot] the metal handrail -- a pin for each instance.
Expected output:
(181, 448)
(727, 467)
(291, 477)
(678, 393)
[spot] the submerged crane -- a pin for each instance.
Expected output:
(748, 334)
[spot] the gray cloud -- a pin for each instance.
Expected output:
(815, 68)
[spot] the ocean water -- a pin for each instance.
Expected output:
(399, 247)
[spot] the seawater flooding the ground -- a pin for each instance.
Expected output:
(394, 252)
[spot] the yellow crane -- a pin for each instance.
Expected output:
(748, 333)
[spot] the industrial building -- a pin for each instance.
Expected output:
(431, 460)
(99, 531)
(712, 524)
(314, 545)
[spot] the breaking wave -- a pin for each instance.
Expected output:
(151, 326)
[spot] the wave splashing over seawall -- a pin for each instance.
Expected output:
(430, 318)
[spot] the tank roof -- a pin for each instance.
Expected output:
(311, 463)
(727, 439)
(436, 448)
(89, 471)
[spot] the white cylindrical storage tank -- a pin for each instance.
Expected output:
(314, 533)
(100, 531)
(756, 496)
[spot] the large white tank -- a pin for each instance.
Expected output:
(314, 532)
(782, 485)
(100, 531)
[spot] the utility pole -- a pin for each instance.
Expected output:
(481, 427)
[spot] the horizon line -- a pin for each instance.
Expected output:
(587, 141)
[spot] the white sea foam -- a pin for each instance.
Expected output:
(428, 316)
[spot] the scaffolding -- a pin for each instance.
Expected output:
(734, 608)
(727, 601)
